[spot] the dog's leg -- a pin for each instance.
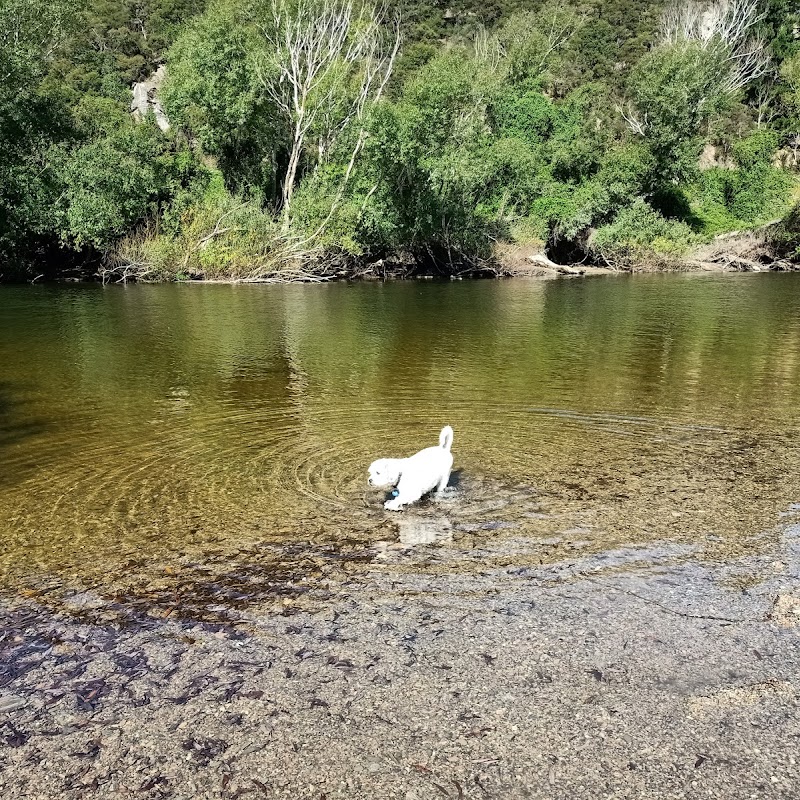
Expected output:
(405, 497)
(443, 482)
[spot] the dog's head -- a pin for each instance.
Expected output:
(384, 472)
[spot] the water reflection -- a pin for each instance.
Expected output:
(414, 530)
(166, 422)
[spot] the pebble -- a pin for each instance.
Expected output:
(12, 702)
(83, 601)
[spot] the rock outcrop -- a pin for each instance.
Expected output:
(145, 98)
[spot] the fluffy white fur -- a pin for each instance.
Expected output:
(416, 475)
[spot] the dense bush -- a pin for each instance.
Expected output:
(205, 232)
(750, 195)
(501, 123)
(640, 234)
(214, 96)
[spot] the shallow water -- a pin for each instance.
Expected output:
(202, 432)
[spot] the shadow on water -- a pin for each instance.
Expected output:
(14, 429)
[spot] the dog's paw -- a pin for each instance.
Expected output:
(393, 505)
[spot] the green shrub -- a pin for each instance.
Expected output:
(760, 193)
(207, 233)
(110, 184)
(528, 116)
(785, 238)
(675, 89)
(756, 150)
(746, 197)
(639, 233)
(759, 190)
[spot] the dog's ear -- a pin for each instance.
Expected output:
(390, 469)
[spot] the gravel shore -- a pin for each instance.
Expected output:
(582, 679)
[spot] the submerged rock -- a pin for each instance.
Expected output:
(12, 702)
(84, 601)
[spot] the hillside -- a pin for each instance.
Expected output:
(314, 137)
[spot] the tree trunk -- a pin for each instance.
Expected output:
(291, 174)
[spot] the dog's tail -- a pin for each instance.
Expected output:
(446, 437)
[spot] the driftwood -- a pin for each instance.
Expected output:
(740, 251)
(542, 261)
(729, 261)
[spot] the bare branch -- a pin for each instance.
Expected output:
(488, 48)
(634, 123)
(723, 26)
(320, 50)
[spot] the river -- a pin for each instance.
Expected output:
(146, 430)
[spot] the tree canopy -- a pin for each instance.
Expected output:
(305, 133)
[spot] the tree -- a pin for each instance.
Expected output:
(534, 41)
(428, 165)
(675, 90)
(705, 56)
(31, 35)
(328, 62)
(213, 94)
(723, 27)
(110, 184)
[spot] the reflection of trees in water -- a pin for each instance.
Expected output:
(712, 347)
(691, 345)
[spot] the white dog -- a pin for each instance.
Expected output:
(416, 475)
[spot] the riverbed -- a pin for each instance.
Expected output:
(199, 589)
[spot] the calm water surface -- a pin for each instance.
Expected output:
(627, 420)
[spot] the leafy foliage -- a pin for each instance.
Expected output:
(113, 183)
(215, 97)
(753, 194)
(676, 90)
(505, 121)
(641, 233)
